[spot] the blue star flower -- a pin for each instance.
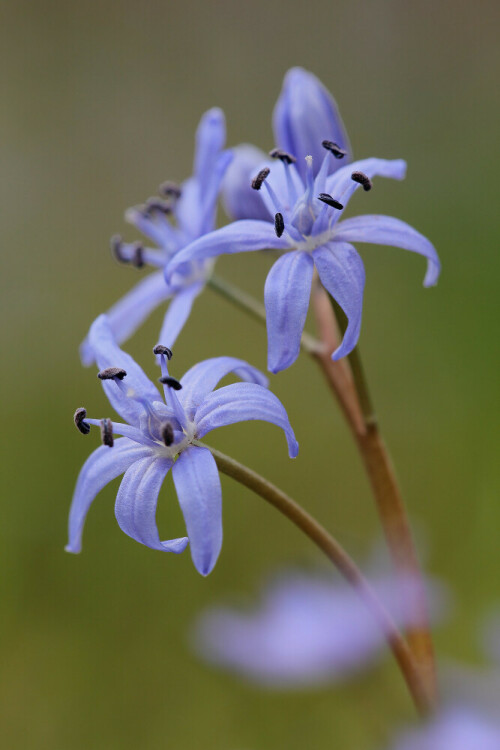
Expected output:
(158, 436)
(302, 202)
(193, 205)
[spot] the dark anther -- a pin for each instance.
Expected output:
(111, 372)
(160, 349)
(326, 198)
(171, 382)
(116, 244)
(363, 179)
(167, 433)
(137, 259)
(257, 181)
(153, 205)
(170, 189)
(335, 149)
(277, 153)
(79, 417)
(107, 432)
(279, 224)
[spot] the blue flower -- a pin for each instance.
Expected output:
(299, 216)
(193, 205)
(158, 435)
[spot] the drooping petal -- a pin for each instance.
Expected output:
(210, 139)
(286, 295)
(386, 230)
(100, 468)
(341, 186)
(135, 507)
(240, 237)
(201, 379)
(305, 115)
(342, 274)
(196, 480)
(131, 311)
(242, 402)
(107, 353)
(240, 200)
(178, 312)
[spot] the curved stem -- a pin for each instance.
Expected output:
(343, 562)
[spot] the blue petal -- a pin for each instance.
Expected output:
(242, 402)
(131, 311)
(385, 230)
(304, 116)
(342, 274)
(210, 139)
(341, 185)
(201, 379)
(178, 312)
(286, 294)
(108, 354)
(197, 482)
(135, 507)
(240, 200)
(240, 237)
(101, 467)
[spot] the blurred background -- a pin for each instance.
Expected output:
(99, 104)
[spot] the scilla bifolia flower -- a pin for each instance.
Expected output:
(158, 436)
(303, 201)
(192, 206)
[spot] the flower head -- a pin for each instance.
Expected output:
(184, 213)
(159, 435)
(303, 199)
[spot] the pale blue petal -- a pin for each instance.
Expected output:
(135, 507)
(242, 402)
(178, 312)
(386, 230)
(201, 379)
(286, 294)
(131, 311)
(240, 200)
(210, 193)
(304, 116)
(210, 139)
(341, 186)
(107, 353)
(342, 274)
(101, 467)
(197, 482)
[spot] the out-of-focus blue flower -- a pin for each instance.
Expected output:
(303, 199)
(193, 207)
(454, 729)
(158, 437)
(307, 630)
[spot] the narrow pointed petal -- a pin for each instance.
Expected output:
(286, 295)
(305, 115)
(131, 311)
(243, 402)
(201, 379)
(107, 353)
(342, 274)
(178, 312)
(210, 139)
(197, 482)
(135, 507)
(341, 186)
(240, 200)
(386, 230)
(240, 237)
(101, 467)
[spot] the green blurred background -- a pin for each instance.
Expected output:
(99, 102)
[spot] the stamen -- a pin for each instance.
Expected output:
(257, 181)
(116, 244)
(363, 180)
(334, 148)
(279, 224)
(107, 432)
(170, 189)
(137, 259)
(78, 418)
(167, 433)
(171, 382)
(326, 198)
(160, 349)
(111, 372)
(153, 205)
(277, 153)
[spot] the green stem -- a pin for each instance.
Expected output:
(343, 562)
